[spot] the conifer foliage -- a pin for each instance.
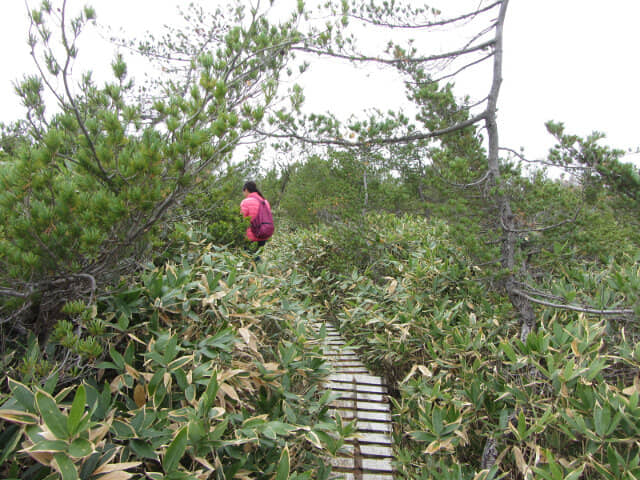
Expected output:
(94, 169)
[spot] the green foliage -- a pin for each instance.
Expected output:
(203, 364)
(561, 405)
(110, 179)
(323, 191)
(338, 190)
(211, 369)
(601, 164)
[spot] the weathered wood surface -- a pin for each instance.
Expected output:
(363, 397)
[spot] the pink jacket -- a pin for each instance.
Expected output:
(249, 208)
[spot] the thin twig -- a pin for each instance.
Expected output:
(541, 162)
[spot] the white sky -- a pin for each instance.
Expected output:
(566, 60)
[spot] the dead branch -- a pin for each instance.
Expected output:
(542, 229)
(460, 70)
(385, 141)
(6, 292)
(441, 23)
(575, 308)
(397, 61)
(541, 162)
(475, 183)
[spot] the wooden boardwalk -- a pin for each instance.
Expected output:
(363, 397)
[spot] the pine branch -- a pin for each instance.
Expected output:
(383, 141)
(397, 61)
(440, 23)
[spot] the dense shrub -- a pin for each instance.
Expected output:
(201, 367)
(563, 404)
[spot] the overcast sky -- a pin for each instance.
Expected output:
(573, 61)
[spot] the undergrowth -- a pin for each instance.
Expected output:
(564, 404)
(204, 367)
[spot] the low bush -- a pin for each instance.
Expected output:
(470, 399)
(203, 368)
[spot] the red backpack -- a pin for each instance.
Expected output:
(262, 223)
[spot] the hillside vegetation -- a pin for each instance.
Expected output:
(142, 337)
(206, 367)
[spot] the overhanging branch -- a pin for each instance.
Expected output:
(440, 23)
(384, 141)
(397, 61)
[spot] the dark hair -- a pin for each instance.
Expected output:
(251, 188)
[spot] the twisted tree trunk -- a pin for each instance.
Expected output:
(505, 215)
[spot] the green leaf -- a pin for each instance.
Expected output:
(51, 383)
(280, 428)
(80, 448)
(52, 416)
(196, 430)
(62, 394)
(49, 446)
(23, 395)
(509, 352)
(613, 457)
(142, 449)
(601, 419)
(421, 436)
(65, 466)
(77, 410)
(9, 438)
(18, 416)
(576, 474)
(175, 451)
(283, 465)
(106, 366)
(219, 430)
(117, 358)
(171, 349)
(209, 396)
(313, 438)
(123, 430)
(179, 362)
(437, 421)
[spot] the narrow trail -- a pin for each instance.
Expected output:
(363, 397)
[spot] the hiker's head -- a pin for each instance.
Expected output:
(250, 187)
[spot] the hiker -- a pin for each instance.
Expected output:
(250, 207)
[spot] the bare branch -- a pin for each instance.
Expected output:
(575, 308)
(397, 61)
(92, 283)
(385, 141)
(545, 228)
(7, 292)
(440, 23)
(460, 70)
(540, 293)
(475, 183)
(541, 162)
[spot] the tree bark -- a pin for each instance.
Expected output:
(505, 214)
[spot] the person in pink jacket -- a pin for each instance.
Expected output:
(249, 208)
